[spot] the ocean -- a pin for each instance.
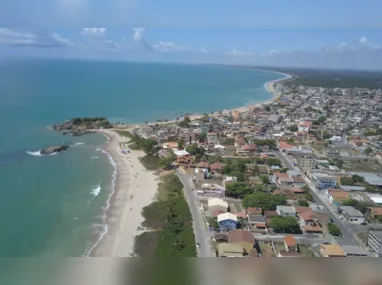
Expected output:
(53, 206)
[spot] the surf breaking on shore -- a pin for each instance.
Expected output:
(132, 188)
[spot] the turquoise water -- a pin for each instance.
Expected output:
(53, 205)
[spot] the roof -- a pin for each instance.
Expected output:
(332, 250)
(215, 166)
(217, 213)
(290, 241)
(282, 175)
(270, 214)
(377, 234)
(352, 188)
(377, 211)
(354, 250)
(249, 147)
(202, 164)
(336, 193)
(227, 216)
(180, 152)
(240, 236)
(230, 248)
(297, 190)
(307, 216)
(254, 211)
(286, 209)
(351, 211)
(285, 145)
(371, 178)
(217, 202)
(300, 209)
(256, 218)
(305, 124)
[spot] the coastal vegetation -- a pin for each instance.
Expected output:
(80, 126)
(169, 223)
(285, 225)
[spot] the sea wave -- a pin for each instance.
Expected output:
(38, 153)
(95, 157)
(104, 226)
(78, 144)
(96, 190)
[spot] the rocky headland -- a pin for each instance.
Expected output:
(53, 149)
(82, 126)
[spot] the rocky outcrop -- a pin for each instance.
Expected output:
(53, 149)
(82, 126)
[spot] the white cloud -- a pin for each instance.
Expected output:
(138, 33)
(363, 40)
(94, 32)
(169, 47)
(239, 53)
(10, 37)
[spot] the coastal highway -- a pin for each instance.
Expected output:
(202, 235)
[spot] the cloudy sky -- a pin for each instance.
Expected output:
(336, 34)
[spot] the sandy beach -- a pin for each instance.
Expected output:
(135, 188)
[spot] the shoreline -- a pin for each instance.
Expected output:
(134, 188)
(268, 86)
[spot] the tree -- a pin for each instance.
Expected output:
(273, 161)
(265, 201)
(179, 244)
(238, 189)
(264, 179)
(309, 197)
(180, 144)
(293, 128)
(166, 162)
(238, 174)
(303, 203)
(255, 170)
(285, 225)
(267, 108)
(333, 229)
(203, 136)
(185, 122)
(368, 151)
(350, 202)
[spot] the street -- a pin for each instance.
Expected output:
(202, 235)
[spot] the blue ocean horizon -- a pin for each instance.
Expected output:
(53, 205)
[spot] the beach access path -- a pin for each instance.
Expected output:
(135, 188)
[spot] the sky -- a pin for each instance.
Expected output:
(332, 34)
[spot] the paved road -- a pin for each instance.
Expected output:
(285, 161)
(347, 233)
(202, 235)
(299, 239)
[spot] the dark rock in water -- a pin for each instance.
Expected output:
(53, 149)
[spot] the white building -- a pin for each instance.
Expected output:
(286, 211)
(217, 204)
(352, 215)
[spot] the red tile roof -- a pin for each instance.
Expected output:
(290, 241)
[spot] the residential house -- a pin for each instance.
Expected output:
(254, 211)
(326, 182)
(203, 164)
(304, 126)
(337, 196)
(352, 215)
(211, 190)
(257, 223)
(283, 180)
(332, 250)
(286, 211)
(354, 251)
(297, 191)
(374, 212)
(300, 209)
(220, 237)
(290, 243)
(212, 138)
(309, 223)
(215, 204)
(374, 241)
(216, 167)
(227, 221)
(244, 238)
(230, 250)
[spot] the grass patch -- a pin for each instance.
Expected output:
(266, 250)
(171, 219)
(125, 134)
(306, 251)
(150, 162)
(361, 165)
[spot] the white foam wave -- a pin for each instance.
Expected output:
(38, 153)
(95, 157)
(96, 190)
(104, 227)
(78, 143)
